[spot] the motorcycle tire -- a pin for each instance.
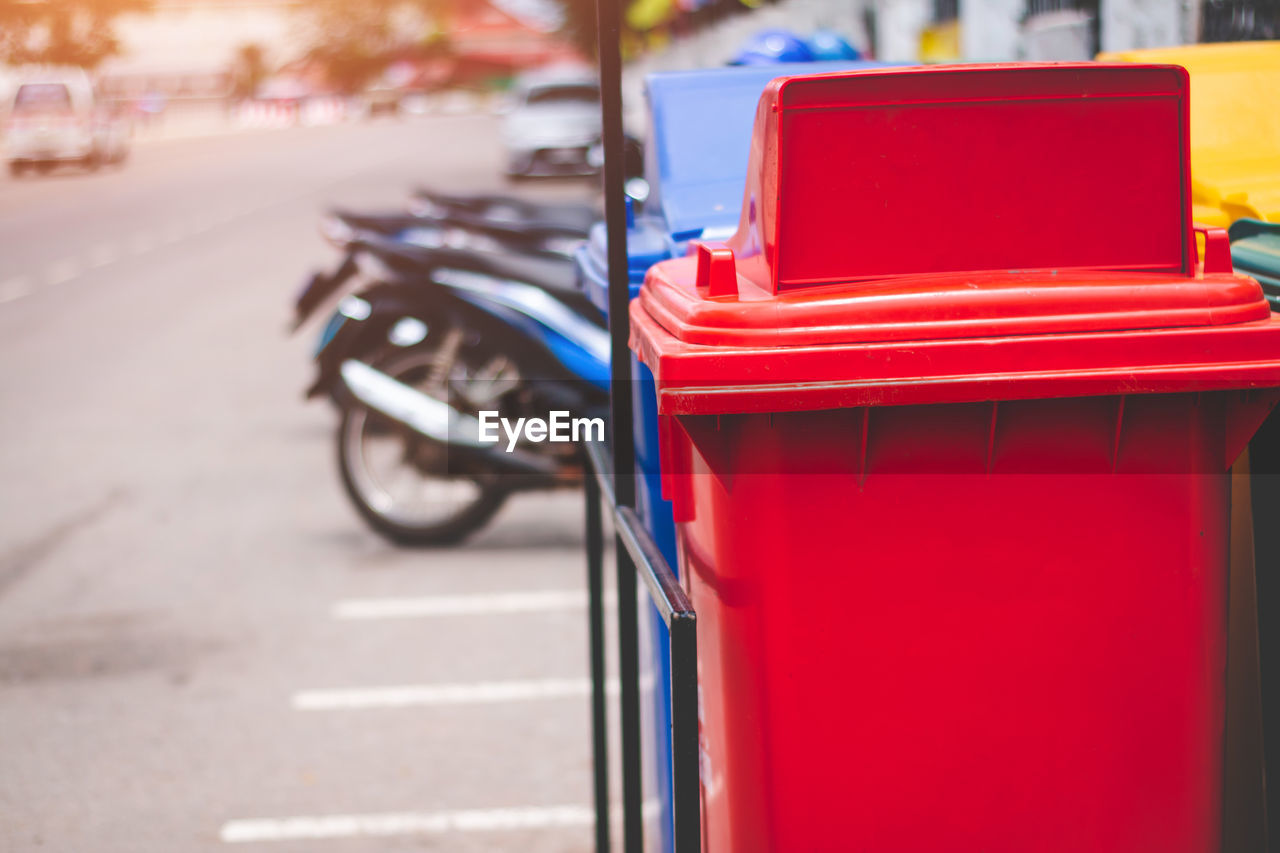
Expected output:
(451, 530)
(472, 513)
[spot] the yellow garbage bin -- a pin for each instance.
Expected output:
(1235, 126)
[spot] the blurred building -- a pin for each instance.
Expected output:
(999, 30)
(945, 30)
(185, 48)
(497, 39)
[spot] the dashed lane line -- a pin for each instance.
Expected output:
(60, 272)
(536, 601)
(387, 824)
(173, 233)
(425, 695)
(14, 288)
(142, 242)
(405, 823)
(103, 254)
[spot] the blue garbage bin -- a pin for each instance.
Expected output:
(699, 135)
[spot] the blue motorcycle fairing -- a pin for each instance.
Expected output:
(329, 332)
(579, 345)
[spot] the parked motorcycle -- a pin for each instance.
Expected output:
(377, 247)
(480, 225)
(500, 208)
(436, 339)
(474, 233)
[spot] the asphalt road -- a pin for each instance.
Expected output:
(198, 636)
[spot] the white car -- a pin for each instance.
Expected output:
(53, 117)
(552, 121)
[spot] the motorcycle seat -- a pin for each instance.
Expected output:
(577, 217)
(554, 275)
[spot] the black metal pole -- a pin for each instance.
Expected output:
(686, 793)
(629, 702)
(1264, 459)
(615, 216)
(609, 31)
(677, 611)
(595, 619)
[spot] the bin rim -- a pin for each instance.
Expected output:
(694, 379)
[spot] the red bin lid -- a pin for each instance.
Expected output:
(904, 229)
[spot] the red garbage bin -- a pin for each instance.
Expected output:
(947, 443)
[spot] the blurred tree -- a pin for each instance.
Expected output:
(61, 32)
(355, 40)
(644, 21)
(248, 70)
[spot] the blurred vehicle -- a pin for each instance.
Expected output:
(382, 101)
(500, 209)
(465, 305)
(349, 232)
(415, 103)
(545, 233)
(433, 341)
(552, 120)
(55, 118)
(453, 232)
(637, 185)
(771, 47)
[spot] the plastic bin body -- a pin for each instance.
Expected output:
(1235, 126)
(699, 133)
(953, 512)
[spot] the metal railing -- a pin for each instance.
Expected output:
(638, 554)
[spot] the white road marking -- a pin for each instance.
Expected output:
(406, 823)
(103, 254)
(413, 823)
(63, 271)
(14, 288)
(417, 695)
(472, 693)
(540, 601)
(142, 242)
